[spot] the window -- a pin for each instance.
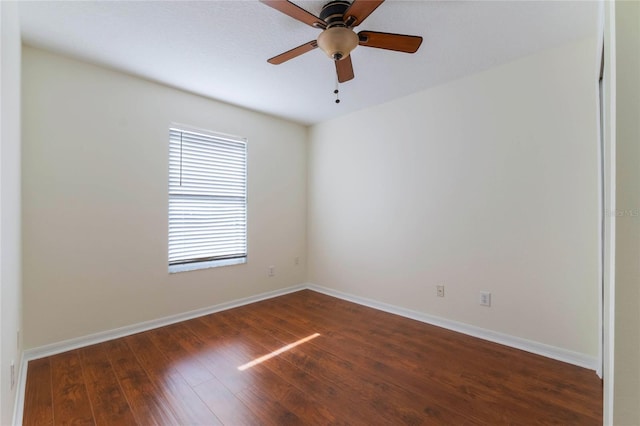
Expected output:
(207, 200)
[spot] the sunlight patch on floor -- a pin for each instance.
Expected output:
(277, 352)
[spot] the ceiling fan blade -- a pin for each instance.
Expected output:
(296, 12)
(389, 41)
(290, 54)
(344, 68)
(359, 10)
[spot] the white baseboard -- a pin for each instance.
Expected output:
(538, 348)
(20, 389)
(549, 351)
(103, 336)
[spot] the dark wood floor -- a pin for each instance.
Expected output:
(365, 367)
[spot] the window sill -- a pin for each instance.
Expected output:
(205, 265)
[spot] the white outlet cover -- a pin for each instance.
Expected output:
(485, 298)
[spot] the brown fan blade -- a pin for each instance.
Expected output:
(397, 42)
(344, 68)
(290, 54)
(359, 10)
(296, 12)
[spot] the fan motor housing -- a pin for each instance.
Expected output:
(333, 12)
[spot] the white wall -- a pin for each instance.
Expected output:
(10, 274)
(95, 170)
(486, 183)
(626, 410)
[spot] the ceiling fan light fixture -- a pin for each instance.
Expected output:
(337, 42)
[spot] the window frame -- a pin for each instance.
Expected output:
(195, 263)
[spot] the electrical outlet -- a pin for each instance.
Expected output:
(13, 374)
(485, 298)
(271, 271)
(440, 290)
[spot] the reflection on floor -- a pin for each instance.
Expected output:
(306, 358)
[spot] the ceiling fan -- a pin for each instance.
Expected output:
(337, 39)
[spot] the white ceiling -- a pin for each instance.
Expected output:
(219, 48)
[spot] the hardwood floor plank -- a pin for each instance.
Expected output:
(144, 399)
(325, 394)
(336, 374)
(224, 352)
(170, 341)
(110, 406)
(290, 396)
(480, 401)
(365, 367)
(228, 408)
(331, 390)
(70, 399)
(223, 359)
(183, 400)
(316, 350)
(388, 400)
(350, 393)
(275, 388)
(38, 397)
(269, 411)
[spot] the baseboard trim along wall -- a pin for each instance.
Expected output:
(91, 339)
(18, 406)
(548, 351)
(537, 348)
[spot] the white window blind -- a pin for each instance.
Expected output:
(207, 197)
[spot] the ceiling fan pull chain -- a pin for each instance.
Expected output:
(336, 92)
